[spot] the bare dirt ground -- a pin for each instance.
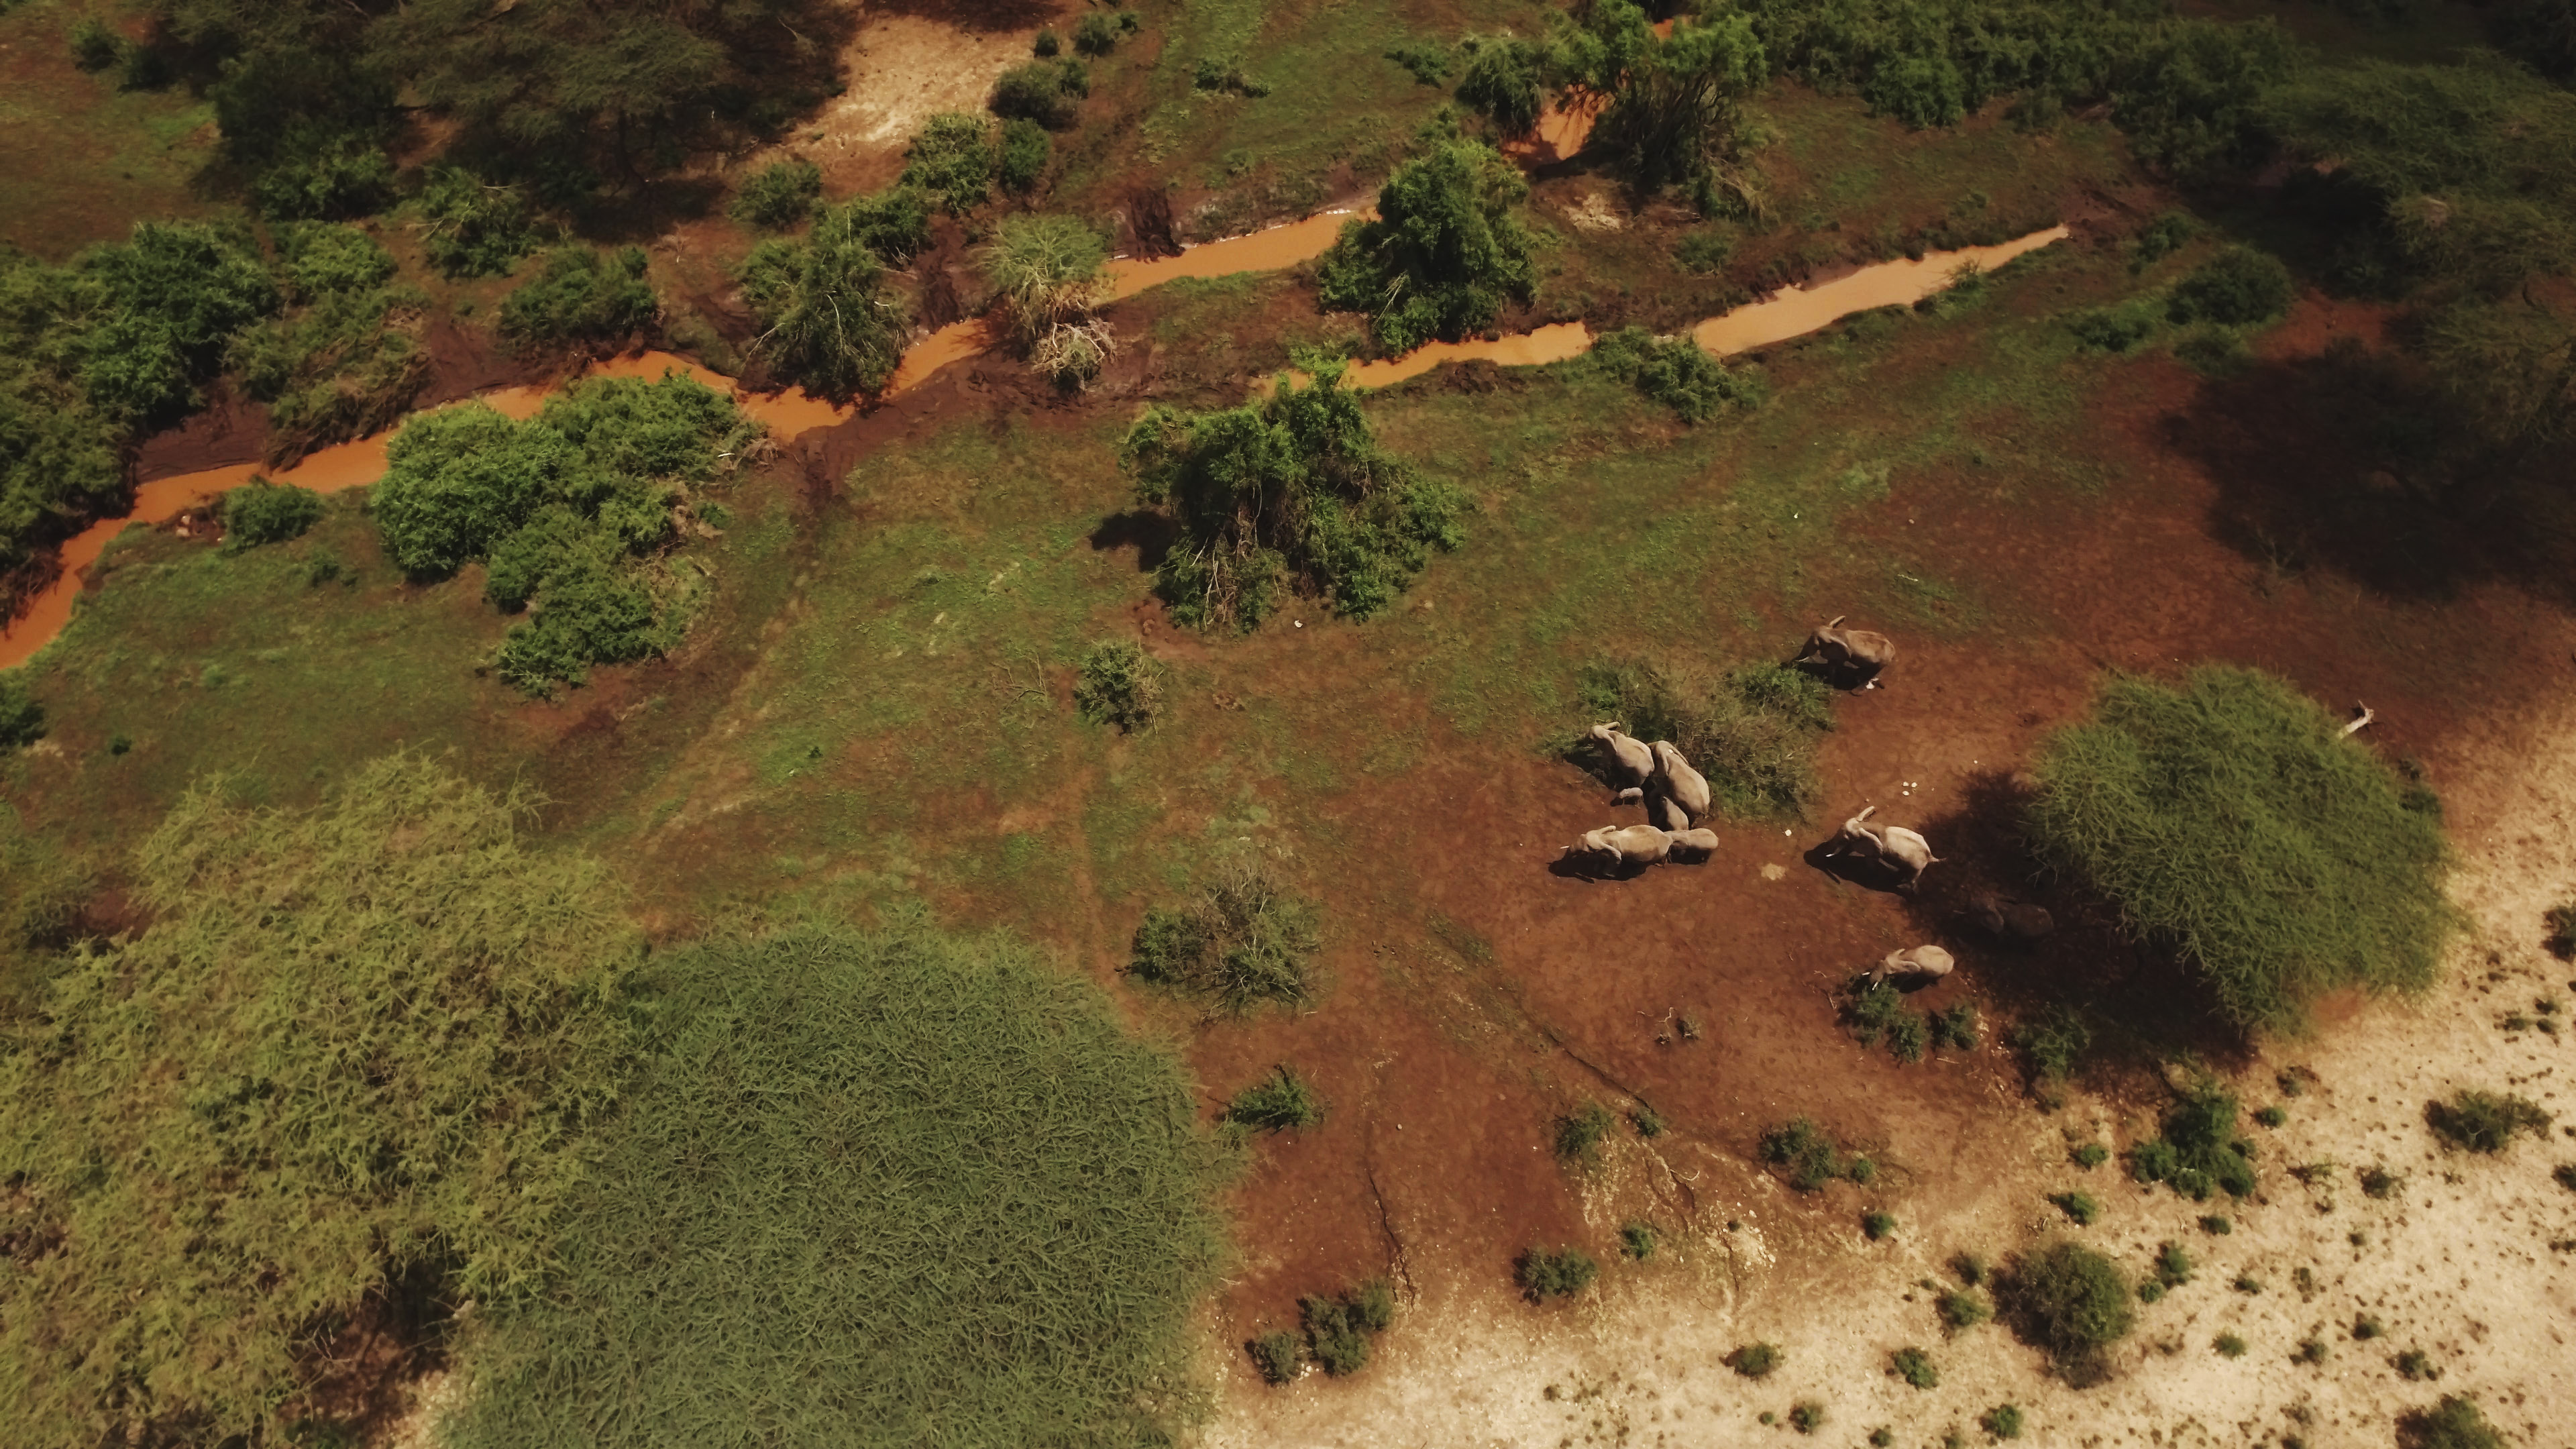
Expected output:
(910, 60)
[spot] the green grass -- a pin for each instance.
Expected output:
(855, 1198)
(1751, 730)
(82, 159)
(2476, 1121)
(1276, 1103)
(2231, 825)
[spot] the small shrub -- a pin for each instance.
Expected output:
(1878, 1226)
(96, 46)
(1637, 1240)
(2561, 921)
(1862, 1171)
(1026, 148)
(2565, 1175)
(2173, 1265)
(2416, 1366)
(582, 295)
(2159, 239)
(1048, 44)
(1277, 1355)
(1962, 1309)
(1336, 1342)
(2475, 1121)
(2237, 288)
(1119, 684)
(1704, 250)
(1097, 32)
(2091, 1155)
(261, 512)
(2366, 1327)
(2072, 1302)
(1278, 1102)
(1803, 1148)
(2199, 1150)
(1372, 1305)
(1915, 1367)
(1427, 61)
(2077, 1207)
(2217, 1226)
(2271, 1116)
(2151, 1291)
(1955, 1026)
(2454, 1423)
(951, 161)
(475, 229)
(2311, 1351)
(1220, 76)
(1755, 1360)
(1970, 1268)
(1806, 1416)
(2003, 1421)
(1878, 1013)
(22, 719)
(1543, 1275)
(1049, 93)
(1245, 943)
(120, 743)
(1676, 372)
(2378, 1182)
(2228, 1345)
(1648, 1122)
(2247, 1284)
(2053, 1042)
(2112, 329)
(1881, 1438)
(1577, 1137)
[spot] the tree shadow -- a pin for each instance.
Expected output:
(2339, 461)
(984, 17)
(1150, 534)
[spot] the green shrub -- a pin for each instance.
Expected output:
(1637, 1240)
(1505, 82)
(1675, 372)
(2217, 1227)
(1049, 272)
(894, 223)
(1023, 157)
(1955, 1026)
(1278, 1356)
(1276, 1103)
(1878, 1226)
(475, 229)
(2237, 288)
(2564, 1174)
(1755, 1360)
(96, 46)
(1862, 1171)
(1337, 1333)
(2173, 1264)
(2091, 1155)
(2378, 1182)
(1750, 731)
(1878, 1013)
(348, 358)
(261, 512)
(2230, 822)
(2454, 1423)
(1970, 1267)
(1675, 115)
(1119, 684)
(2078, 1207)
(2366, 1327)
(1291, 490)
(2003, 1421)
(1543, 1275)
(2271, 1116)
(399, 1019)
(1245, 943)
(1097, 32)
(582, 295)
(2229, 1345)
(779, 195)
(2477, 1121)
(1802, 1147)
(325, 177)
(1648, 1122)
(2071, 1302)
(2199, 1149)
(886, 1137)
(1915, 1367)
(1962, 1309)
(1576, 1137)
(1222, 76)
(2054, 1042)
(2112, 329)
(2416, 1366)
(1447, 247)
(2160, 239)
(22, 718)
(952, 161)
(2561, 921)
(1704, 250)
(1806, 1416)
(1427, 61)
(1047, 45)
(827, 319)
(1049, 93)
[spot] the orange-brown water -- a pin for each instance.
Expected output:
(1796, 311)
(1553, 343)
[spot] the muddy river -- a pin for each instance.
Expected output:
(1790, 313)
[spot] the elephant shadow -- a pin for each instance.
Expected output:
(1867, 872)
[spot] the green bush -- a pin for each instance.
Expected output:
(1576, 1137)
(1751, 731)
(1291, 490)
(2072, 1302)
(1049, 272)
(475, 229)
(2454, 1423)
(1097, 32)
(1245, 943)
(1755, 1360)
(2561, 921)
(779, 195)
(2217, 1227)
(348, 357)
(1806, 1416)
(1878, 1013)
(1023, 156)
(2564, 1174)
(952, 161)
(894, 1138)
(1047, 45)
(1505, 82)
(1675, 114)
(1915, 1367)
(1277, 1103)
(1049, 93)
(1704, 251)
(1427, 61)
(827, 319)
(2080, 1208)
(1637, 1240)
(134, 327)
(96, 46)
(1542, 1275)
(1962, 1309)
(1336, 1342)
(582, 295)
(22, 718)
(2230, 822)
(1648, 1122)
(2173, 1264)
(2477, 1121)
(399, 1020)
(2054, 1042)
(1955, 1026)
(2228, 1345)
(324, 177)
(1278, 1356)
(1119, 684)
(2199, 1149)
(1878, 1226)
(894, 223)
(2366, 1327)
(2003, 1421)
(261, 512)
(2112, 329)
(1447, 247)
(2237, 288)
(1675, 372)
(1809, 1155)
(1970, 1267)
(2160, 239)
(2091, 1155)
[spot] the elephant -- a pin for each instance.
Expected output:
(1697, 844)
(1912, 967)
(1625, 757)
(1615, 846)
(1854, 655)
(1908, 852)
(2009, 919)
(1678, 781)
(1667, 812)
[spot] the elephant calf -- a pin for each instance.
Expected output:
(1613, 847)
(1912, 967)
(1848, 655)
(1904, 850)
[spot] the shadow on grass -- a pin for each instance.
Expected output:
(1150, 534)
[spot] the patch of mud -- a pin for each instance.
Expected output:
(907, 63)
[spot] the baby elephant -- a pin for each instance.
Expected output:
(1908, 853)
(1614, 847)
(1694, 845)
(1913, 967)
(2009, 919)
(1624, 757)
(1848, 656)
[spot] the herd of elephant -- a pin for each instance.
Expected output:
(1676, 798)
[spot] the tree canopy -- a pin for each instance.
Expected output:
(1445, 252)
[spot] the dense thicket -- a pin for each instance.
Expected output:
(351, 1053)
(827, 319)
(347, 357)
(1445, 252)
(1291, 491)
(872, 1188)
(2231, 823)
(569, 512)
